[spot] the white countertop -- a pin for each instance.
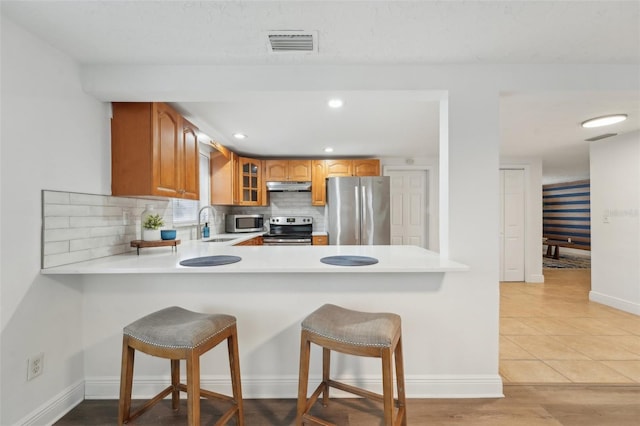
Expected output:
(262, 259)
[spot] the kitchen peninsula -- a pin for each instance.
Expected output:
(263, 259)
(270, 291)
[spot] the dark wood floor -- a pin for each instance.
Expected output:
(527, 405)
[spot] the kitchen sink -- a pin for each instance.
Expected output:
(218, 240)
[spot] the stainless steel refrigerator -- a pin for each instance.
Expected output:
(358, 210)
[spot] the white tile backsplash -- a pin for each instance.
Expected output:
(78, 227)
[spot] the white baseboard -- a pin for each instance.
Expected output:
(56, 407)
(427, 386)
(614, 302)
(536, 278)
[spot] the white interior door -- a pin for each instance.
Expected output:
(512, 222)
(409, 209)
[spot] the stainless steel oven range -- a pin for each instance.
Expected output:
(289, 231)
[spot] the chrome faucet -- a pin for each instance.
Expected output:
(199, 231)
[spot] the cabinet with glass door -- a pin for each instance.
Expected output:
(250, 189)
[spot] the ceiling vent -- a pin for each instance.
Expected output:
(292, 41)
(603, 136)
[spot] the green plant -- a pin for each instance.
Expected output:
(153, 221)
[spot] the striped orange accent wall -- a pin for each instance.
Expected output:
(567, 213)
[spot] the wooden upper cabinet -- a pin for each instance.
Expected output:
(366, 167)
(287, 170)
(251, 190)
(154, 151)
(348, 167)
(300, 170)
(340, 167)
(190, 175)
(224, 178)
(318, 183)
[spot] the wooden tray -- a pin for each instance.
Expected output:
(138, 244)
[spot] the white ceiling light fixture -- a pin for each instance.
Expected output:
(240, 136)
(335, 103)
(328, 149)
(605, 120)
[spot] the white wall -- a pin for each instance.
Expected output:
(55, 137)
(64, 135)
(615, 222)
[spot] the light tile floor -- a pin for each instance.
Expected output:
(552, 333)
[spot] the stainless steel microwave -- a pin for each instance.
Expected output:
(244, 223)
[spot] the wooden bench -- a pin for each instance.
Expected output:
(553, 247)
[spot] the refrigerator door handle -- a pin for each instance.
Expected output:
(364, 235)
(357, 213)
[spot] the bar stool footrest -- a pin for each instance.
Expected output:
(355, 390)
(150, 403)
(317, 420)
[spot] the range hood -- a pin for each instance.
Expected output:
(288, 186)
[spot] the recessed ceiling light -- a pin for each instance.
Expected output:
(240, 136)
(604, 120)
(335, 103)
(328, 149)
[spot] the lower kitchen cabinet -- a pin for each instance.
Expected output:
(257, 241)
(320, 240)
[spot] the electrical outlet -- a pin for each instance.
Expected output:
(569, 240)
(126, 217)
(35, 366)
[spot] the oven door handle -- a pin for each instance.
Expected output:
(286, 240)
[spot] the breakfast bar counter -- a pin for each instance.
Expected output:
(270, 290)
(263, 259)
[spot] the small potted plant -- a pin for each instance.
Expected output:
(151, 227)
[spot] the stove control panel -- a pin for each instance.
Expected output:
(291, 220)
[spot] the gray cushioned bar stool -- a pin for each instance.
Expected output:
(356, 333)
(176, 333)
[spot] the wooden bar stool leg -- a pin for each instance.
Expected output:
(326, 370)
(402, 401)
(175, 381)
(234, 366)
(303, 377)
(126, 381)
(193, 389)
(387, 386)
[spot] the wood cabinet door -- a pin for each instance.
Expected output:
(257, 241)
(368, 167)
(320, 240)
(335, 168)
(318, 183)
(299, 170)
(250, 181)
(166, 134)
(224, 172)
(276, 170)
(132, 148)
(190, 165)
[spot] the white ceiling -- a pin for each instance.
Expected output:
(361, 32)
